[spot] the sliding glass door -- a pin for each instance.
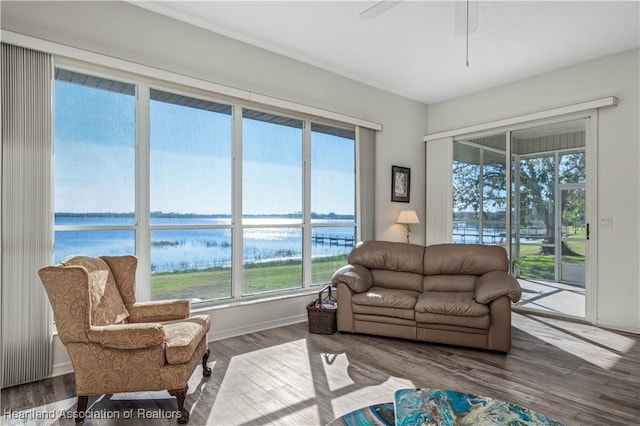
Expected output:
(534, 205)
(480, 191)
(549, 221)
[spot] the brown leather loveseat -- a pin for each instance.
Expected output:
(458, 294)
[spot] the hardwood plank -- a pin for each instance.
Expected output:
(574, 372)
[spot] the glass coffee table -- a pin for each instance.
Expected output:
(440, 407)
(373, 415)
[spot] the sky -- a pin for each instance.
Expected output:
(190, 159)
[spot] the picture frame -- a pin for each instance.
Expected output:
(400, 184)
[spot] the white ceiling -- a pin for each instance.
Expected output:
(415, 49)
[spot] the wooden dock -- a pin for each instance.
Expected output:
(333, 240)
(495, 238)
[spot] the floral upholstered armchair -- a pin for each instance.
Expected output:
(117, 344)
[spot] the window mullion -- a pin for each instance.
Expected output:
(237, 260)
(143, 233)
(358, 177)
(306, 199)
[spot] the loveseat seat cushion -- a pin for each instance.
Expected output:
(454, 308)
(387, 298)
(386, 302)
(364, 312)
(450, 303)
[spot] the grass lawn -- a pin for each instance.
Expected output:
(215, 283)
(542, 266)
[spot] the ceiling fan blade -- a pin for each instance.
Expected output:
(378, 9)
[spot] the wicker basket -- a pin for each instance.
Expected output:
(321, 319)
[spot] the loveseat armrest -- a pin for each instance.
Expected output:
(495, 284)
(356, 277)
(128, 336)
(161, 310)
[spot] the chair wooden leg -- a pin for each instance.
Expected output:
(180, 395)
(81, 409)
(206, 371)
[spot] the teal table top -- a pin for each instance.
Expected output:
(441, 407)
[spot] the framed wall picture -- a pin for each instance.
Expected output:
(400, 184)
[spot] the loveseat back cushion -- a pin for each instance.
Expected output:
(466, 259)
(389, 256)
(449, 283)
(397, 280)
(107, 307)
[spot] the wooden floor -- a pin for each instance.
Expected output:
(575, 373)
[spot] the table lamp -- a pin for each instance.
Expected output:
(407, 217)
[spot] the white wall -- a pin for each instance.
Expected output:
(123, 31)
(618, 277)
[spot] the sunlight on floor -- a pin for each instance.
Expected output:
(351, 382)
(553, 297)
(327, 385)
(601, 337)
(335, 368)
(599, 354)
(243, 398)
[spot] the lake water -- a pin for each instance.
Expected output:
(188, 249)
(466, 234)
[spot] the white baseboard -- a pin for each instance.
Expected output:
(629, 328)
(252, 328)
(61, 368)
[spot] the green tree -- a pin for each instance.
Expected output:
(537, 195)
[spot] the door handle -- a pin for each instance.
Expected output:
(587, 231)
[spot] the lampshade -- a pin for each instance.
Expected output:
(408, 216)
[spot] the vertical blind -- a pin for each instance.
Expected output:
(25, 216)
(367, 163)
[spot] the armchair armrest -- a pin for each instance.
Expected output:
(356, 277)
(128, 336)
(495, 284)
(162, 310)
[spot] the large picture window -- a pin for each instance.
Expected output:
(190, 197)
(94, 165)
(271, 202)
(149, 171)
(333, 186)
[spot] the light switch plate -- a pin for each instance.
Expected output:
(606, 222)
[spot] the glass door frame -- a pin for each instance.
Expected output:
(557, 210)
(561, 188)
(591, 132)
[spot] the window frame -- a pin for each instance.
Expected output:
(104, 74)
(149, 227)
(142, 226)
